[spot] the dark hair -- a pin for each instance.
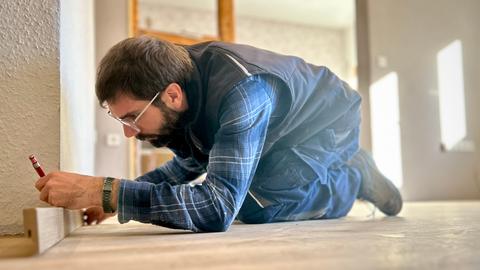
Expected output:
(141, 67)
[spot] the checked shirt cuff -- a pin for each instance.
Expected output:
(134, 201)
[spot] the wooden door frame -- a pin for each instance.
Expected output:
(363, 69)
(226, 25)
(226, 32)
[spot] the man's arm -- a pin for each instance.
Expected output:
(212, 206)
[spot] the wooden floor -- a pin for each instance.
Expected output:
(431, 235)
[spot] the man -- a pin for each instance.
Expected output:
(277, 138)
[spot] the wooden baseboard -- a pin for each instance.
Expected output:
(44, 227)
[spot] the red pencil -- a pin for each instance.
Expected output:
(36, 166)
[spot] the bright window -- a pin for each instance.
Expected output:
(385, 120)
(451, 95)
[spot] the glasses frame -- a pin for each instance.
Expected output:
(133, 124)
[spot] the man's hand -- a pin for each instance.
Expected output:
(70, 190)
(95, 215)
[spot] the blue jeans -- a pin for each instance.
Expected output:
(311, 180)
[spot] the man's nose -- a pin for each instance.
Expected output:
(129, 132)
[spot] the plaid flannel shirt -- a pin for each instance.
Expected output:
(164, 195)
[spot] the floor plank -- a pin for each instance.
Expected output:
(427, 235)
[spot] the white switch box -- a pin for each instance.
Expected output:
(382, 61)
(113, 139)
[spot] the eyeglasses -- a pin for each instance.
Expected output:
(133, 123)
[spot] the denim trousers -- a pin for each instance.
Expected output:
(310, 180)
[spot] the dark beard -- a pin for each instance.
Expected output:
(173, 128)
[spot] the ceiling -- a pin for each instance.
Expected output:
(325, 13)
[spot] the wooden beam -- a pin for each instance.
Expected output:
(132, 18)
(226, 20)
(47, 226)
(44, 227)
(15, 246)
(133, 158)
(132, 32)
(174, 38)
(363, 68)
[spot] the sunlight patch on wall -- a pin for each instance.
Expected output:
(385, 120)
(451, 95)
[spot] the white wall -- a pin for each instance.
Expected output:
(319, 45)
(77, 81)
(29, 102)
(111, 26)
(409, 34)
(47, 97)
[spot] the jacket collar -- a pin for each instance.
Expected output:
(195, 99)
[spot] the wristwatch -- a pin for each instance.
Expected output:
(107, 194)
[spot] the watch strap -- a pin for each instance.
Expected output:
(107, 194)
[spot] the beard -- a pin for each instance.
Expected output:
(173, 127)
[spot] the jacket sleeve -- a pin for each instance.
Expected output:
(176, 171)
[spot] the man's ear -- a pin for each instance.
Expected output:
(174, 97)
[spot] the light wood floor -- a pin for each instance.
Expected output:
(434, 235)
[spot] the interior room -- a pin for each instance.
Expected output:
(413, 64)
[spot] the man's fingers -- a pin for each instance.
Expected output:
(44, 195)
(92, 218)
(41, 182)
(94, 215)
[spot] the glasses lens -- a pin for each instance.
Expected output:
(127, 123)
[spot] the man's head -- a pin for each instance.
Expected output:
(141, 78)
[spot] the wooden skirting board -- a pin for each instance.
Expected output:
(43, 227)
